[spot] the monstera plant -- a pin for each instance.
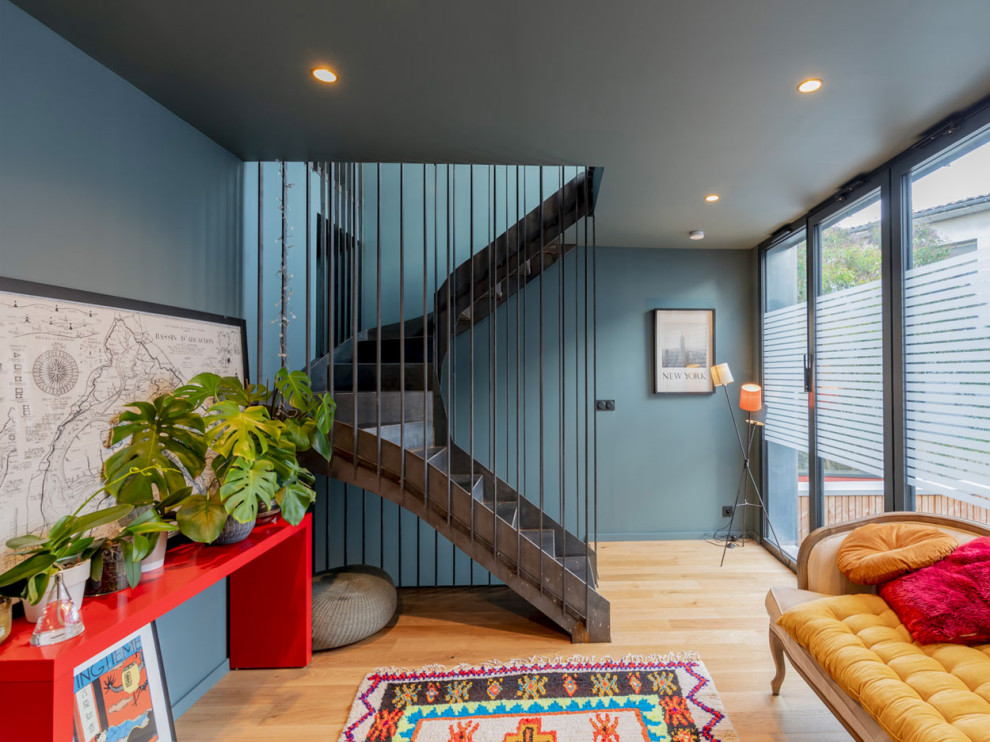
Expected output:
(242, 450)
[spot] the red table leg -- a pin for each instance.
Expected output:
(39, 711)
(271, 606)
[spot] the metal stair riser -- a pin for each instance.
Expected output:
(392, 408)
(544, 539)
(417, 434)
(367, 350)
(475, 485)
(387, 376)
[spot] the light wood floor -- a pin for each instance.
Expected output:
(666, 596)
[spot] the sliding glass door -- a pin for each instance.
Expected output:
(785, 348)
(849, 362)
(947, 334)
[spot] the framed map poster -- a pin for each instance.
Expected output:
(69, 362)
(684, 348)
(120, 695)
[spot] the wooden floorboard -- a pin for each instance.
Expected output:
(666, 596)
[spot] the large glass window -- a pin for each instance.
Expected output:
(849, 363)
(899, 410)
(947, 335)
(785, 347)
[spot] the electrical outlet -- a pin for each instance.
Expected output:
(727, 511)
(603, 405)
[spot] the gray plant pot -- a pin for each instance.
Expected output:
(233, 532)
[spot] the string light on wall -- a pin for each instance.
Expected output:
(285, 314)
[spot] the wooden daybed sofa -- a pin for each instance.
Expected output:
(944, 696)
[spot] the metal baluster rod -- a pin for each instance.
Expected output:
(520, 360)
(562, 449)
(471, 356)
(309, 252)
(542, 263)
(402, 352)
(493, 357)
(261, 275)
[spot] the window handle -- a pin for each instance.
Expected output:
(807, 372)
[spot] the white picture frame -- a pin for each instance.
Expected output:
(123, 688)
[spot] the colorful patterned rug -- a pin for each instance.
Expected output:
(646, 699)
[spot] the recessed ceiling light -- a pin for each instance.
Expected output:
(697, 234)
(712, 198)
(324, 75)
(810, 85)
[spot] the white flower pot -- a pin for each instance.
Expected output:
(156, 559)
(73, 579)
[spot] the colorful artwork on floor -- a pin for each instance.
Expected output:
(119, 695)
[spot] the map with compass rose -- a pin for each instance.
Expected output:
(66, 369)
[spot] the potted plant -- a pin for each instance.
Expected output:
(66, 548)
(248, 440)
(116, 562)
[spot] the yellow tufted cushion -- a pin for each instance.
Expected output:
(879, 552)
(917, 693)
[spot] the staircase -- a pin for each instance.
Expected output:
(391, 431)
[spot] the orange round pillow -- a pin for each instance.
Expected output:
(879, 552)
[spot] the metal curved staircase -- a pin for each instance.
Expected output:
(391, 435)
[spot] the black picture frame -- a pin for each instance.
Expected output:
(683, 351)
(61, 293)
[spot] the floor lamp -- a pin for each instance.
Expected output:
(750, 400)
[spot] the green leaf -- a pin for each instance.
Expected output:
(132, 564)
(248, 482)
(294, 499)
(238, 391)
(201, 518)
(159, 434)
(75, 548)
(322, 445)
(241, 433)
(61, 529)
(143, 545)
(325, 414)
(84, 523)
(200, 388)
(296, 389)
(27, 569)
(297, 432)
(96, 566)
(24, 542)
(37, 585)
(172, 500)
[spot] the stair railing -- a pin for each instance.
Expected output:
(479, 361)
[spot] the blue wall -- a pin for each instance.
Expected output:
(667, 463)
(102, 189)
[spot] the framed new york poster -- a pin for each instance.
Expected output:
(684, 345)
(120, 694)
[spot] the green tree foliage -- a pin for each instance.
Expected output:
(851, 257)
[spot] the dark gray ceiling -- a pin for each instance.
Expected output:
(674, 99)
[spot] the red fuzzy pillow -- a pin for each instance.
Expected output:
(948, 601)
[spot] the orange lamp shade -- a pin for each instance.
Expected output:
(750, 397)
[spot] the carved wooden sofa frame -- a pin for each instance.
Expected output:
(818, 577)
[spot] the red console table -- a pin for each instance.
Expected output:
(269, 617)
